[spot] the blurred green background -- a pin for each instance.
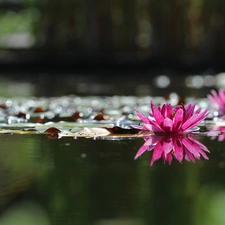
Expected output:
(129, 33)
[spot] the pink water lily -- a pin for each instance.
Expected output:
(217, 99)
(178, 146)
(169, 120)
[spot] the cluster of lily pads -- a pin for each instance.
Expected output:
(168, 125)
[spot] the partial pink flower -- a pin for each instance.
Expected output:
(169, 120)
(178, 146)
(217, 132)
(217, 100)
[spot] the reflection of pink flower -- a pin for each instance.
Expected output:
(178, 146)
(218, 100)
(218, 132)
(171, 120)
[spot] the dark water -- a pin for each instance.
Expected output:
(86, 181)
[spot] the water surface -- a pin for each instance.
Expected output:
(86, 181)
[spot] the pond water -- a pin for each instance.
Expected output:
(91, 179)
(86, 181)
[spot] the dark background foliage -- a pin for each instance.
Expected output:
(89, 35)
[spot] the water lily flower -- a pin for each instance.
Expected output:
(217, 99)
(169, 120)
(178, 146)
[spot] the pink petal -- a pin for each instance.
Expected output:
(197, 111)
(149, 144)
(211, 99)
(167, 125)
(215, 95)
(222, 129)
(152, 106)
(195, 120)
(169, 158)
(188, 156)
(178, 150)
(221, 94)
(167, 110)
(190, 147)
(141, 116)
(177, 121)
(167, 145)
(166, 157)
(188, 109)
(221, 137)
(163, 110)
(158, 117)
(198, 148)
(157, 152)
(138, 127)
(153, 128)
(153, 140)
(198, 143)
(214, 99)
(141, 150)
(156, 139)
(203, 154)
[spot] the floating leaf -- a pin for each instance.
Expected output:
(38, 109)
(21, 115)
(92, 132)
(99, 116)
(120, 130)
(77, 115)
(52, 133)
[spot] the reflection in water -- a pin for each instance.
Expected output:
(219, 133)
(180, 146)
(214, 198)
(92, 182)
